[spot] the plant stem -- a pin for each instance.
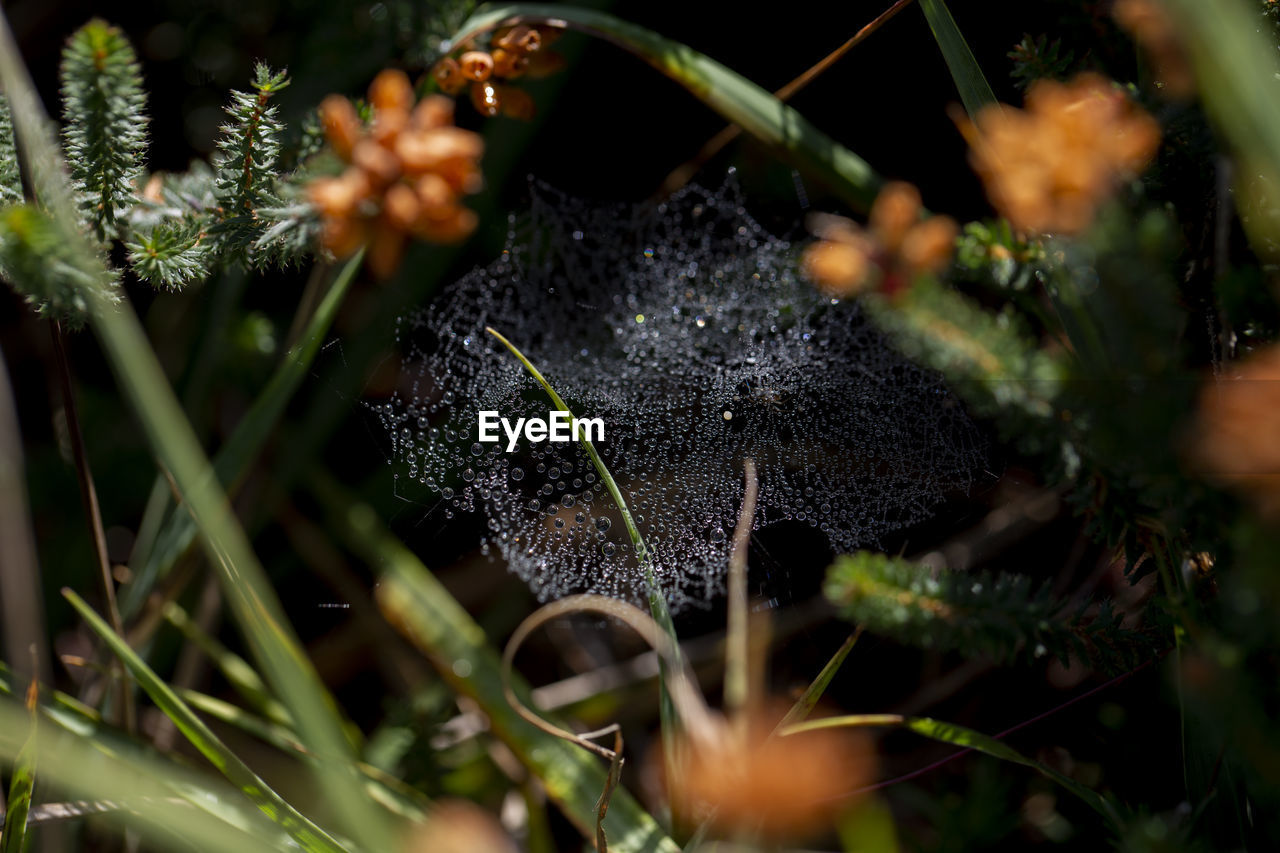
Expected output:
(738, 690)
(125, 708)
(682, 174)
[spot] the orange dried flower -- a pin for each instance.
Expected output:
(448, 76)
(778, 788)
(405, 176)
(1151, 27)
(1046, 168)
(476, 65)
(509, 64)
(485, 98)
(1237, 436)
(515, 52)
(341, 124)
(897, 245)
(458, 826)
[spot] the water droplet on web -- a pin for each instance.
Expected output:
(846, 433)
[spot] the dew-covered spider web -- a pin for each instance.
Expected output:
(687, 329)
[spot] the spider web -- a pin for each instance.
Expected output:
(687, 329)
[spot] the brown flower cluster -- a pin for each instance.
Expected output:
(406, 175)
(1150, 25)
(1237, 437)
(774, 787)
(1046, 168)
(514, 52)
(896, 245)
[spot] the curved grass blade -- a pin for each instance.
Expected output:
(730, 94)
(421, 608)
(657, 603)
(143, 382)
(975, 91)
(969, 739)
(22, 783)
(309, 836)
(248, 437)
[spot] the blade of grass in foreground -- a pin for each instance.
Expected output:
(398, 797)
(248, 437)
(309, 836)
(83, 731)
(1236, 67)
(967, 738)
(657, 602)
(143, 382)
(975, 91)
(730, 94)
(421, 608)
(171, 806)
(22, 782)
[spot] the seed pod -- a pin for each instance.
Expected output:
(516, 103)
(341, 124)
(838, 269)
(485, 98)
(928, 246)
(519, 39)
(448, 76)
(343, 236)
(432, 112)
(508, 64)
(476, 65)
(400, 206)
(391, 90)
(432, 150)
(339, 197)
(378, 163)
(895, 211)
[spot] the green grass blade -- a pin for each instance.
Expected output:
(969, 739)
(657, 603)
(95, 740)
(242, 677)
(730, 94)
(1236, 66)
(247, 439)
(172, 806)
(421, 607)
(22, 783)
(975, 91)
(401, 799)
(309, 836)
(805, 704)
(144, 384)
